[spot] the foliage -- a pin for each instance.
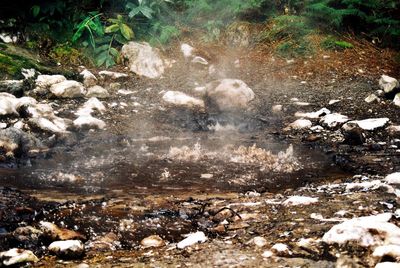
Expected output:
(331, 43)
(66, 54)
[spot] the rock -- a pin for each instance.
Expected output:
(67, 248)
(393, 178)
(98, 92)
(199, 60)
(17, 256)
(313, 115)
(191, 239)
(89, 79)
(68, 89)
(187, 50)
(371, 98)
(28, 73)
(387, 250)
(177, 98)
(277, 108)
(54, 232)
(396, 100)
(27, 233)
(229, 95)
(88, 121)
(393, 130)
(16, 141)
(267, 254)
(8, 104)
(94, 104)
(388, 265)
(299, 124)
(353, 135)
(46, 81)
(367, 124)
(333, 120)
(260, 241)
(57, 125)
(281, 248)
(299, 200)
(143, 60)
(331, 102)
(153, 241)
(113, 76)
(15, 87)
(109, 242)
(388, 84)
(366, 231)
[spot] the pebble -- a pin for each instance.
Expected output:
(192, 239)
(67, 248)
(153, 241)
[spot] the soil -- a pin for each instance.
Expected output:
(120, 186)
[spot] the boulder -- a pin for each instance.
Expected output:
(67, 248)
(44, 82)
(17, 257)
(54, 232)
(89, 79)
(388, 84)
(98, 92)
(177, 98)
(8, 104)
(143, 59)
(229, 95)
(68, 89)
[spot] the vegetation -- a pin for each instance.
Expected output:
(66, 29)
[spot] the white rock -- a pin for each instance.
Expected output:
(89, 79)
(94, 104)
(367, 231)
(153, 241)
(125, 92)
(3, 125)
(371, 98)
(229, 94)
(388, 265)
(365, 185)
(277, 108)
(281, 248)
(28, 73)
(368, 124)
(267, 254)
(68, 89)
(387, 250)
(331, 102)
(178, 98)
(57, 126)
(300, 124)
(143, 59)
(388, 83)
(396, 100)
(333, 120)
(67, 248)
(191, 239)
(199, 60)
(301, 103)
(187, 50)
(112, 75)
(299, 200)
(88, 121)
(46, 81)
(17, 256)
(98, 92)
(8, 104)
(313, 115)
(393, 178)
(259, 241)
(25, 101)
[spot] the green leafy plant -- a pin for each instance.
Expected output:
(331, 43)
(141, 8)
(88, 28)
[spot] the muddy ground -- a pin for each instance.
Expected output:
(127, 186)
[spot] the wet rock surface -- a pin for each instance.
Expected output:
(163, 185)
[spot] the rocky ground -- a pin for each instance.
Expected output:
(276, 168)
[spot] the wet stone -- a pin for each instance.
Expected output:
(67, 249)
(153, 241)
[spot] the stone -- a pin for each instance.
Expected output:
(56, 233)
(331, 102)
(334, 119)
(17, 256)
(98, 92)
(393, 130)
(57, 125)
(199, 60)
(88, 121)
(27, 233)
(281, 248)
(67, 248)
(108, 242)
(387, 83)
(396, 100)
(143, 59)
(366, 231)
(260, 241)
(229, 95)
(192, 239)
(13, 139)
(299, 124)
(387, 250)
(8, 104)
(277, 108)
(388, 265)
(153, 241)
(371, 98)
(68, 89)
(46, 81)
(187, 50)
(313, 115)
(367, 124)
(177, 98)
(353, 135)
(393, 178)
(89, 79)
(12, 86)
(113, 76)
(299, 200)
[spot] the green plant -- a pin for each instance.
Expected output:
(89, 28)
(331, 43)
(66, 54)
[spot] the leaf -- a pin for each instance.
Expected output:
(77, 35)
(126, 31)
(146, 11)
(112, 28)
(134, 12)
(120, 39)
(114, 52)
(35, 10)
